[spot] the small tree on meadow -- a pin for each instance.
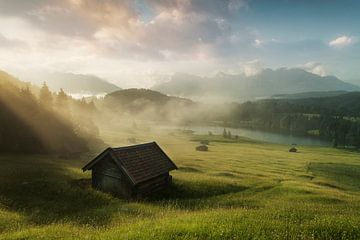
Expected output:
(224, 133)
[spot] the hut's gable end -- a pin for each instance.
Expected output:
(108, 167)
(106, 176)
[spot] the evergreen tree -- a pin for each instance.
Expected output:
(335, 143)
(62, 101)
(224, 133)
(45, 97)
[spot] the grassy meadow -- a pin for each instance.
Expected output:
(237, 190)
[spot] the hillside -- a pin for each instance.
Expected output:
(329, 103)
(136, 100)
(265, 84)
(146, 104)
(308, 95)
(35, 120)
(347, 104)
(7, 79)
(145, 96)
(30, 125)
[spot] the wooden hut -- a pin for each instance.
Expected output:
(131, 171)
(202, 148)
(293, 149)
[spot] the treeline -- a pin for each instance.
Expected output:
(44, 123)
(301, 117)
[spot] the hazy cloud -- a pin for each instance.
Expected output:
(341, 41)
(316, 68)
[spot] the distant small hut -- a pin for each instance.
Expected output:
(293, 149)
(204, 142)
(131, 171)
(202, 148)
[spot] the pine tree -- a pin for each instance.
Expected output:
(61, 100)
(224, 133)
(45, 97)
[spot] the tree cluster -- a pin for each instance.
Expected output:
(47, 123)
(301, 117)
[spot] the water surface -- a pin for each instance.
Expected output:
(279, 138)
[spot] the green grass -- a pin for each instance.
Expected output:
(238, 190)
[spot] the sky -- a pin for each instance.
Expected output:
(136, 43)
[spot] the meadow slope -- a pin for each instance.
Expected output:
(237, 190)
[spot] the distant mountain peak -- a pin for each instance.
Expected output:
(239, 87)
(74, 83)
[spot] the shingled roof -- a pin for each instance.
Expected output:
(140, 162)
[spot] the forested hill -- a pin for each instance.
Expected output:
(332, 118)
(147, 104)
(144, 96)
(317, 94)
(7, 79)
(48, 123)
(346, 104)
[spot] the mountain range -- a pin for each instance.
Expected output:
(226, 87)
(74, 84)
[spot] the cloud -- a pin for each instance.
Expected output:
(315, 68)
(73, 18)
(341, 41)
(172, 29)
(258, 43)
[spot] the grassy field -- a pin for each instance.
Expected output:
(238, 190)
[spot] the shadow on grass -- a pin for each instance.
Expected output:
(181, 189)
(192, 195)
(340, 175)
(47, 197)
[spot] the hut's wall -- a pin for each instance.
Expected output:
(107, 177)
(153, 185)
